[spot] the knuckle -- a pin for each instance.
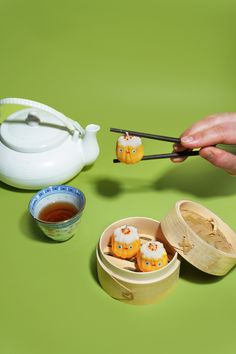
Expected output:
(219, 132)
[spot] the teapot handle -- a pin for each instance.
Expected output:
(69, 123)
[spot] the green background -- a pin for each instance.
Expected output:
(154, 66)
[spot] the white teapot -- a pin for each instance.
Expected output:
(39, 146)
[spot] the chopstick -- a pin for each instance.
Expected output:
(185, 153)
(146, 135)
(169, 155)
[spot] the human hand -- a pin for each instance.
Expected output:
(212, 130)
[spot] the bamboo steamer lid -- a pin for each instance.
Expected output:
(200, 237)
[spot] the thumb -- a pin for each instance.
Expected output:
(220, 158)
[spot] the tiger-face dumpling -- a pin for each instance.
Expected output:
(125, 242)
(129, 149)
(151, 256)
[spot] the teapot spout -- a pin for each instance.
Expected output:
(90, 144)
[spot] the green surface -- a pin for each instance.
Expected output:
(154, 66)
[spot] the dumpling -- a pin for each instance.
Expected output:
(125, 242)
(151, 256)
(129, 149)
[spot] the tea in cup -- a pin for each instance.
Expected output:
(57, 211)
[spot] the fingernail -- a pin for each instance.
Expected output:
(208, 154)
(208, 157)
(187, 139)
(175, 148)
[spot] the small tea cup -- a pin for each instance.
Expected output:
(45, 203)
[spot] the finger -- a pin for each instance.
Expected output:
(178, 159)
(179, 148)
(209, 122)
(220, 158)
(219, 134)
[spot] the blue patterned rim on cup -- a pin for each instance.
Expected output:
(62, 230)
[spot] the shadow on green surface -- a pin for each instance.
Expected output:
(111, 187)
(190, 273)
(87, 167)
(108, 187)
(13, 189)
(197, 178)
(31, 230)
(93, 266)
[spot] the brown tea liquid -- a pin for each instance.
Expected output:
(58, 211)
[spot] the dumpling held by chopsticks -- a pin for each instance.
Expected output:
(129, 149)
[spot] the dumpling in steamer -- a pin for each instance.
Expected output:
(125, 242)
(129, 149)
(151, 256)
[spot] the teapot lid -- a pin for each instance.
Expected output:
(33, 130)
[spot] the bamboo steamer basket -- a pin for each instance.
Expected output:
(190, 230)
(200, 237)
(119, 278)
